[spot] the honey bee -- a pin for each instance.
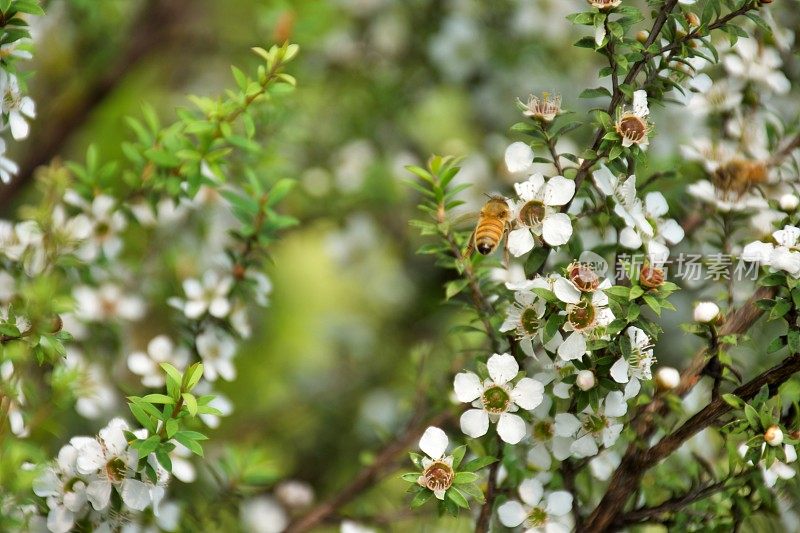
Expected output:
(738, 176)
(494, 221)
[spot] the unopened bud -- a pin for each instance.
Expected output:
(585, 380)
(692, 19)
(705, 312)
(773, 436)
(667, 378)
(642, 36)
(789, 202)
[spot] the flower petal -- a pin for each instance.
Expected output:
(502, 368)
(528, 393)
(559, 503)
(557, 229)
(566, 291)
(629, 238)
(558, 191)
(566, 424)
(467, 386)
(619, 371)
(511, 428)
(519, 158)
(655, 204)
(584, 447)
(520, 241)
(531, 491)
(511, 513)
(433, 442)
(474, 423)
(573, 347)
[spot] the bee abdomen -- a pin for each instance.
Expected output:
(488, 235)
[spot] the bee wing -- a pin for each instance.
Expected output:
(461, 220)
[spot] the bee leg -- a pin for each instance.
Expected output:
(470, 249)
(506, 252)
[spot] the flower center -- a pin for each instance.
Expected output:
(532, 213)
(530, 321)
(651, 277)
(594, 423)
(495, 399)
(536, 518)
(542, 431)
(632, 127)
(438, 476)
(115, 469)
(584, 277)
(582, 315)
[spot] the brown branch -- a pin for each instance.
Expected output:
(368, 475)
(677, 503)
(485, 516)
(637, 461)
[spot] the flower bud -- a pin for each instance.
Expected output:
(585, 380)
(773, 436)
(651, 277)
(789, 202)
(667, 378)
(642, 36)
(705, 312)
(692, 19)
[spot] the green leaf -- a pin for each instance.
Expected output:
(411, 477)
(733, 400)
(142, 417)
(752, 417)
(465, 477)
(280, 190)
(477, 464)
(458, 456)
(781, 308)
(192, 376)
(191, 403)
(172, 427)
(597, 92)
(420, 498)
(158, 398)
(455, 496)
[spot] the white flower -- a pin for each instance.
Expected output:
(147, 364)
(585, 314)
(756, 62)
(705, 312)
(106, 303)
(537, 512)
(496, 400)
(107, 223)
(637, 367)
(632, 125)
(545, 441)
(644, 220)
(262, 514)
(8, 167)
(536, 211)
(95, 396)
(209, 295)
(526, 316)
(592, 428)
(64, 490)
(783, 255)
(217, 350)
(15, 402)
(111, 464)
(778, 469)
(437, 474)
(714, 97)
(16, 106)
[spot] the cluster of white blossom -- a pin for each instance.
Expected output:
(80, 484)
(16, 107)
